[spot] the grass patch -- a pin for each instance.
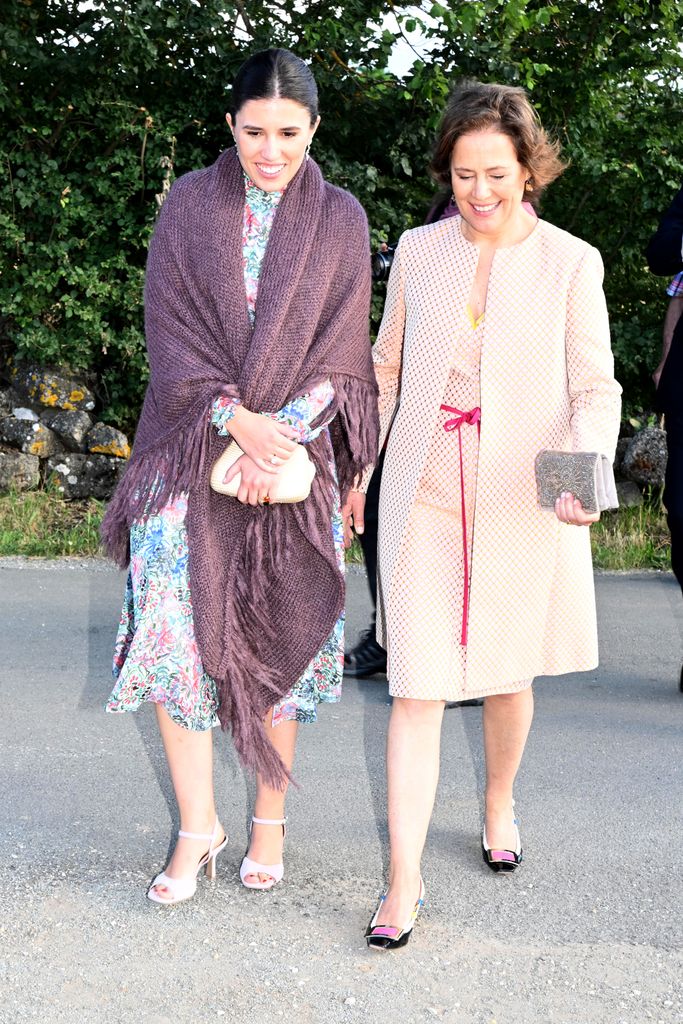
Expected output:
(632, 538)
(42, 524)
(355, 553)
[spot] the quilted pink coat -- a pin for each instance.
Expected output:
(546, 381)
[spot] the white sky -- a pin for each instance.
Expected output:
(404, 56)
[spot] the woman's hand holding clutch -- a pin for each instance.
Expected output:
(569, 509)
(267, 442)
(254, 482)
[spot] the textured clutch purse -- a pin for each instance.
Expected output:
(292, 483)
(586, 475)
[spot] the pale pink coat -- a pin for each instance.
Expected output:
(546, 381)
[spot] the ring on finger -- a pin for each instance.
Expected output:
(273, 460)
(265, 500)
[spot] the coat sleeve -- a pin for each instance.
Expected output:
(665, 248)
(594, 394)
(387, 352)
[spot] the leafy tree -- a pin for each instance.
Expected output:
(101, 107)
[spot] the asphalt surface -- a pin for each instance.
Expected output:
(587, 931)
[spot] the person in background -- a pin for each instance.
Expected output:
(234, 609)
(494, 345)
(665, 256)
(368, 657)
(674, 311)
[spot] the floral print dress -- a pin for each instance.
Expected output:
(156, 657)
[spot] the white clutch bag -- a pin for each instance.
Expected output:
(291, 484)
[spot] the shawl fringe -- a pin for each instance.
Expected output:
(355, 429)
(152, 480)
(267, 542)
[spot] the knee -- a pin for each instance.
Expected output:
(501, 701)
(417, 712)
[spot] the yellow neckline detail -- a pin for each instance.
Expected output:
(475, 322)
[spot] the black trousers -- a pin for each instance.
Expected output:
(368, 539)
(673, 490)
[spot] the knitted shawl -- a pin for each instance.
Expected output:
(265, 584)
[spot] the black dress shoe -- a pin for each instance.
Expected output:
(367, 658)
(387, 936)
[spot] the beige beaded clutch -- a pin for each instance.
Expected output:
(586, 475)
(291, 484)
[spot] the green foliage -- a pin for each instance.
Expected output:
(101, 107)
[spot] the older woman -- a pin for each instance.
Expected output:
(234, 607)
(494, 344)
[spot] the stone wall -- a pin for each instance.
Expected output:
(49, 436)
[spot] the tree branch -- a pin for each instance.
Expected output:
(243, 14)
(404, 36)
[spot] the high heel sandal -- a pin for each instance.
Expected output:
(252, 867)
(184, 888)
(386, 936)
(503, 860)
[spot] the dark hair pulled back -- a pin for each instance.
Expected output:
(275, 74)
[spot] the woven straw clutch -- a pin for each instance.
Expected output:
(291, 484)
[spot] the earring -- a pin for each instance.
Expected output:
(453, 199)
(528, 187)
(308, 150)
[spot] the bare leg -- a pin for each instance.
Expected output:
(265, 845)
(413, 748)
(507, 720)
(190, 761)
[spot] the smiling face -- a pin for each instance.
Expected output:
(271, 137)
(488, 185)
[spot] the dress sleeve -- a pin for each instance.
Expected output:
(675, 287)
(594, 394)
(387, 352)
(222, 411)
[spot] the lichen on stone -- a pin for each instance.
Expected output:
(112, 449)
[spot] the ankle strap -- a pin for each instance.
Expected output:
(199, 835)
(269, 821)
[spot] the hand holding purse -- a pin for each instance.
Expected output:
(290, 484)
(586, 475)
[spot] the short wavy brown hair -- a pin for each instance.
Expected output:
(478, 106)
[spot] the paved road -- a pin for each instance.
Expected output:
(587, 932)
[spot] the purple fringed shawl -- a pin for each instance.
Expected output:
(266, 589)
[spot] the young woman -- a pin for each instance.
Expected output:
(234, 606)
